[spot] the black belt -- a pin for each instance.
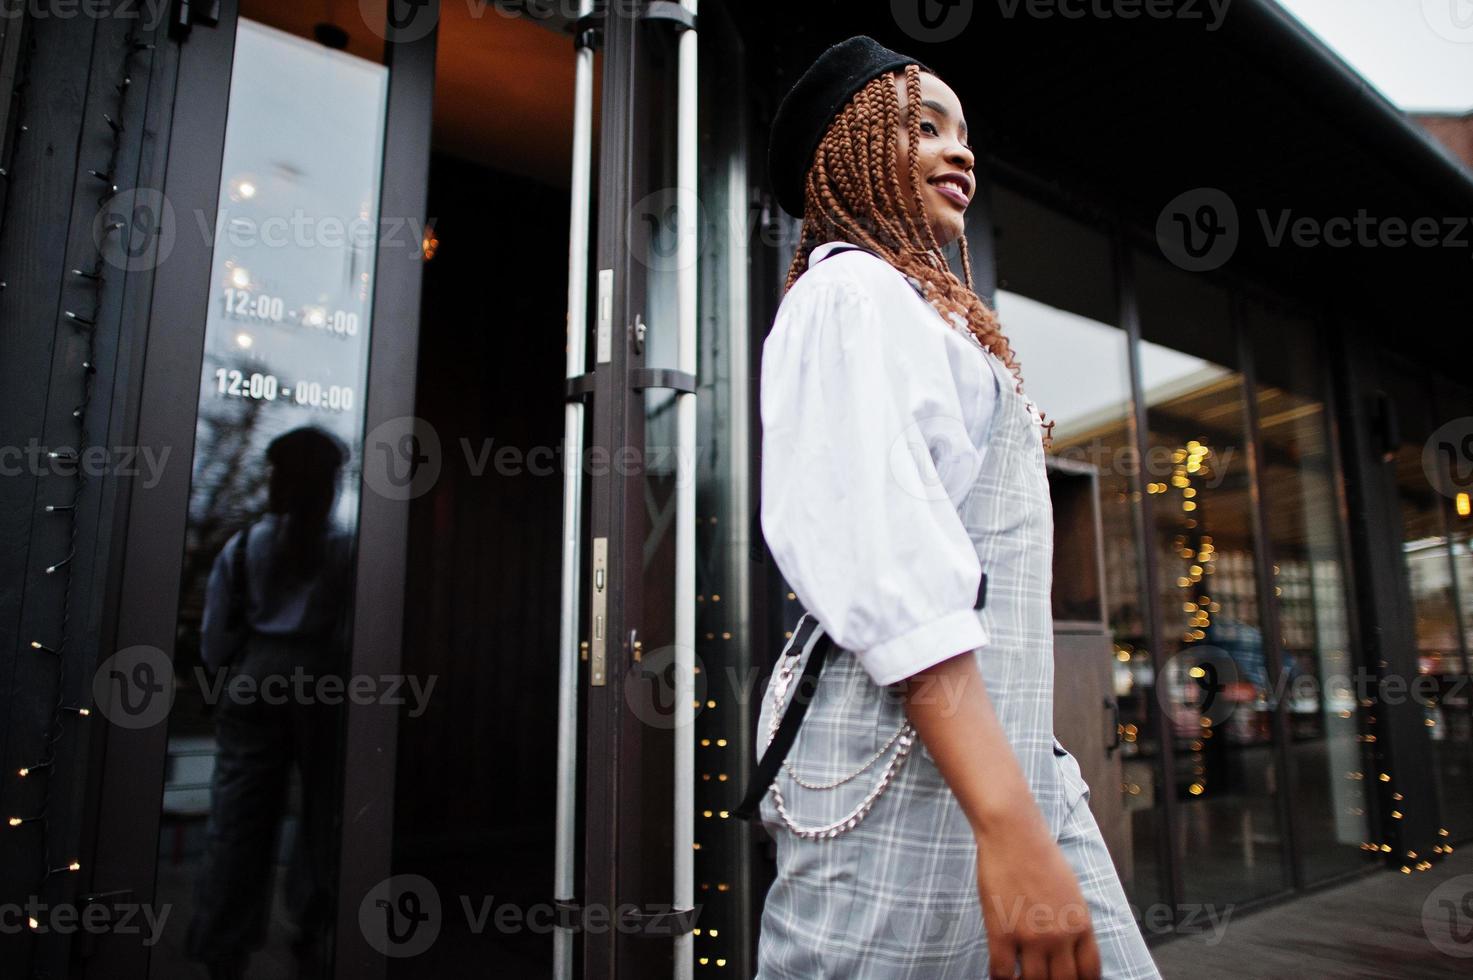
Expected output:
(787, 729)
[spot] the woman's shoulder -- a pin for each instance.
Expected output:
(852, 269)
(842, 279)
(856, 283)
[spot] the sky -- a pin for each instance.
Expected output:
(1418, 53)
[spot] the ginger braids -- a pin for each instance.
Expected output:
(853, 193)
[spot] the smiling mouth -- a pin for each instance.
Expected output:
(951, 189)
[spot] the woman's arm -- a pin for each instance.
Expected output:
(1037, 921)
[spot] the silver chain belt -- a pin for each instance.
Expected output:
(901, 742)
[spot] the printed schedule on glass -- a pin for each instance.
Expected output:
(296, 234)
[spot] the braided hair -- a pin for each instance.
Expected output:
(853, 193)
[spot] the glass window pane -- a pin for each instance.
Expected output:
(249, 828)
(1077, 370)
(1216, 682)
(1428, 555)
(1456, 403)
(1318, 678)
(727, 879)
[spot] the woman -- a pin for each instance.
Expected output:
(928, 824)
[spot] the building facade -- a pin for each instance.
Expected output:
(517, 261)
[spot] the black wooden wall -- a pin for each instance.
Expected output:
(85, 125)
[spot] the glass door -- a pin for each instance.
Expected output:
(248, 824)
(246, 674)
(1315, 622)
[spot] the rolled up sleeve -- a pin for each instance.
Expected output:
(864, 456)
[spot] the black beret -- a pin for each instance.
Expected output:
(806, 112)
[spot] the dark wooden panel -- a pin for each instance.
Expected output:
(371, 735)
(475, 782)
(71, 72)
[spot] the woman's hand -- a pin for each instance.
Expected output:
(1037, 921)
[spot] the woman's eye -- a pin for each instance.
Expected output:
(930, 127)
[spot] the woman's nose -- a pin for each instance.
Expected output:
(962, 157)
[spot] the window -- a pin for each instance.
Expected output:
(1216, 685)
(1318, 675)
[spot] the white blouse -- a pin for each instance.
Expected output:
(875, 419)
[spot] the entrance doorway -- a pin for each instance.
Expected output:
(256, 839)
(475, 788)
(511, 773)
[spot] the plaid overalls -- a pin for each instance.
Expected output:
(895, 896)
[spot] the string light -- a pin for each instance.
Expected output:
(85, 322)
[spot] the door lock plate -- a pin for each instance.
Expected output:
(598, 661)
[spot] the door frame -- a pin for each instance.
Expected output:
(648, 53)
(612, 855)
(371, 732)
(128, 768)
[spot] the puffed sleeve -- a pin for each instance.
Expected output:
(865, 453)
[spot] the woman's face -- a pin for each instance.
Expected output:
(946, 161)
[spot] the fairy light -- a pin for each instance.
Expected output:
(1192, 461)
(84, 324)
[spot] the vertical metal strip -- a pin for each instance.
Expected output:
(685, 504)
(580, 194)
(1169, 871)
(1269, 611)
(1333, 396)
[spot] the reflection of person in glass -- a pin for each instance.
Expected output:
(275, 621)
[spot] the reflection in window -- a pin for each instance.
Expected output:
(1453, 724)
(1217, 687)
(1077, 370)
(249, 823)
(1429, 558)
(1318, 674)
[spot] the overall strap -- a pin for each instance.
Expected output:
(787, 729)
(792, 719)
